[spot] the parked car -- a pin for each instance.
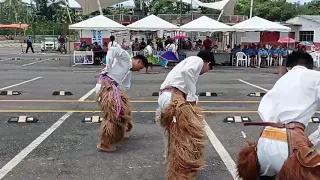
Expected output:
(49, 44)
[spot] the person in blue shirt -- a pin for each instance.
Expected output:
(83, 45)
(245, 49)
(263, 53)
(273, 52)
(252, 54)
(234, 51)
(29, 45)
(284, 54)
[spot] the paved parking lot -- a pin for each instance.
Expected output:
(61, 146)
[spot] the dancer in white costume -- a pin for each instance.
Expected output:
(283, 151)
(114, 103)
(182, 119)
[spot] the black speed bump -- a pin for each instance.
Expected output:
(93, 119)
(62, 93)
(208, 94)
(9, 93)
(236, 119)
(22, 119)
(200, 94)
(155, 94)
(256, 94)
(314, 120)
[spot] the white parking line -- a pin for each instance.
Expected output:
(223, 153)
(37, 62)
(19, 157)
(5, 59)
(253, 85)
(24, 82)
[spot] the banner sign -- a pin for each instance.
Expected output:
(83, 57)
(97, 37)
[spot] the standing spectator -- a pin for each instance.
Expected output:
(142, 44)
(167, 41)
(29, 45)
(159, 45)
(207, 44)
(135, 45)
(112, 42)
(62, 43)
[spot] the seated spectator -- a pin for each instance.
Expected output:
(83, 46)
(252, 54)
(274, 54)
(263, 53)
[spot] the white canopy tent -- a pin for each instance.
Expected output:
(259, 24)
(206, 24)
(152, 23)
(99, 22)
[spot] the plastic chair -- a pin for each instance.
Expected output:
(242, 58)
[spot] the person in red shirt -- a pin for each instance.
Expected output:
(207, 44)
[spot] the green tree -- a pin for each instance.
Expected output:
(276, 10)
(312, 8)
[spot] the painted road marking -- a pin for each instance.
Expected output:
(243, 134)
(36, 62)
(19, 157)
(133, 101)
(6, 59)
(223, 153)
(253, 85)
(24, 82)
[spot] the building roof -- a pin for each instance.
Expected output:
(297, 20)
(314, 18)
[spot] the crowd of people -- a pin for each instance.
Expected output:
(283, 151)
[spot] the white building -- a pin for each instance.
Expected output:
(305, 28)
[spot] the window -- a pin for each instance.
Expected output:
(306, 35)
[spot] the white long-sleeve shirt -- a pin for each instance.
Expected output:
(294, 97)
(118, 67)
(148, 50)
(184, 76)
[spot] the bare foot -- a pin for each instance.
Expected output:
(106, 149)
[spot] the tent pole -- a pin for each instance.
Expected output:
(220, 14)
(100, 9)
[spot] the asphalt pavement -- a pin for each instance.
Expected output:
(60, 146)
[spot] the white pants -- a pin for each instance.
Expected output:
(97, 88)
(315, 137)
(164, 100)
(271, 155)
